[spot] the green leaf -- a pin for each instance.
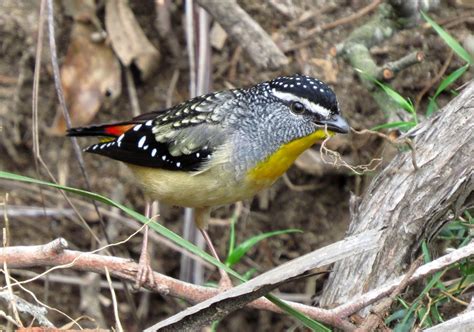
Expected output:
(451, 78)
(250, 273)
(245, 246)
(406, 324)
(399, 314)
(398, 98)
(426, 252)
(448, 39)
(233, 220)
(402, 125)
(435, 315)
(432, 107)
(307, 321)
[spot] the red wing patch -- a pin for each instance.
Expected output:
(117, 130)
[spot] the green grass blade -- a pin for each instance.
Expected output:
(305, 320)
(245, 246)
(406, 324)
(398, 98)
(399, 314)
(448, 39)
(233, 220)
(450, 79)
(308, 322)
(426, 252)
(402, 125)
(435, 315)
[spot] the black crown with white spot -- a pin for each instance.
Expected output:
(308, 88)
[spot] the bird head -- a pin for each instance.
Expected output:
(310, 100)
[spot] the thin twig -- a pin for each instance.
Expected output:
(118, 325)
(310, 36)
(337, 159)
(435, 79)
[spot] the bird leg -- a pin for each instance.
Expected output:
(145, 272)
(202, 217)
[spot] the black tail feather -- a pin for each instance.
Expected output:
(105, 130)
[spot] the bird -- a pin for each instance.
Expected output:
(224, 146)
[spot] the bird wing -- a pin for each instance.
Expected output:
(184, 137)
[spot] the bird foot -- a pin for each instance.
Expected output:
(145, 272)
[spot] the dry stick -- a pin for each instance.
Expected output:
(376, 316)
(390, 69)
(53, 254)
(246, 32)
(57, 246)
(309, 39)
(77, 150)
(309, 15)
(345, 20)
(434, 80)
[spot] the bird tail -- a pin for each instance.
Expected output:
(106, 130)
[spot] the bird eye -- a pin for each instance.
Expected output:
(297, 107)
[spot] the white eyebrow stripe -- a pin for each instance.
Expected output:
(315, 108)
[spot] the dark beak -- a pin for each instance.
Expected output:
(336, 124)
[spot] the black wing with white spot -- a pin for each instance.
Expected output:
(138, 146)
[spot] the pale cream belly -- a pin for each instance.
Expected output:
(213, 187)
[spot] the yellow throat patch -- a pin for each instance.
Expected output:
(267, 171)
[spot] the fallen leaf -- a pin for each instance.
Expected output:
(128, 39)
(90, 77)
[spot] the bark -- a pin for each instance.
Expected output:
(411, 204)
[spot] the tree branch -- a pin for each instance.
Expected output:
(54, 254)
(411, 205)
